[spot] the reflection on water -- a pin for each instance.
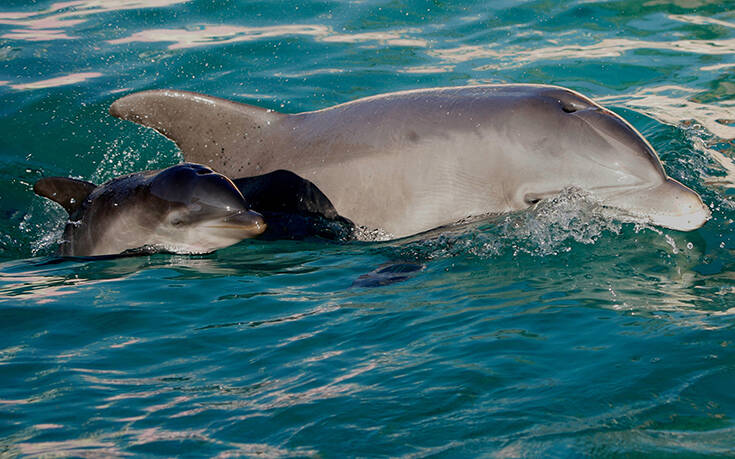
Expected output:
(42, 283)
(683, 3)
(83, 447)
(727, 164)
(212, 34)
(219, 35)
(42, 288)
(428, 69)
(672, 105)
(607, 48)
(700, 20)
(104, 445)
(391, 37)
(48, 24)
(708, 68)
(72, 78)
(36, 35)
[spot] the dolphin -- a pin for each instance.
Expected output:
(186, 208)
(293, 207)
(410, 161)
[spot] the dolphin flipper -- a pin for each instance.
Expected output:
(207, 129)
(389, 273)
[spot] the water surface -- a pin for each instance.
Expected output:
(559, 331)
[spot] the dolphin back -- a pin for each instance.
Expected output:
(208, 130)
(293, 207)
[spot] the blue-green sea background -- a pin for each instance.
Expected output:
(558, 331)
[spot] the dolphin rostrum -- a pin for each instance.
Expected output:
(187, 208)
(410, 161)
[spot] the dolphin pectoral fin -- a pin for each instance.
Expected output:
(208, 130)
(389, 273)
(68, 192)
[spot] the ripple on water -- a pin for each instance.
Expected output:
(558, 331)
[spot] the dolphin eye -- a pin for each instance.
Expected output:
(175, 220)
(567, 107)
(531, 199)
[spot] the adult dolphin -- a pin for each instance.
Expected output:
(187, 208)
(410, 161)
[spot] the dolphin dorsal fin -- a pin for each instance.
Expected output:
(68, 192)
(208, 130)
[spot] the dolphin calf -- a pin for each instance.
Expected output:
(410, 161)
(187, 208)
(293, 207)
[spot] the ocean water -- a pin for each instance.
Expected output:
(555, 332)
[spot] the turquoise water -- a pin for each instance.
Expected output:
(553, 332)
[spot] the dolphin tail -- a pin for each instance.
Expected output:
(208, 130)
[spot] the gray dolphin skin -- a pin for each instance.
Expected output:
(187, 208)
(411, 161)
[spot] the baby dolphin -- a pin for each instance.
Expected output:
(186, 208)
(411, 161)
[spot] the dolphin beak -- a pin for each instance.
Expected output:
(669, 204)
(245, 223)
